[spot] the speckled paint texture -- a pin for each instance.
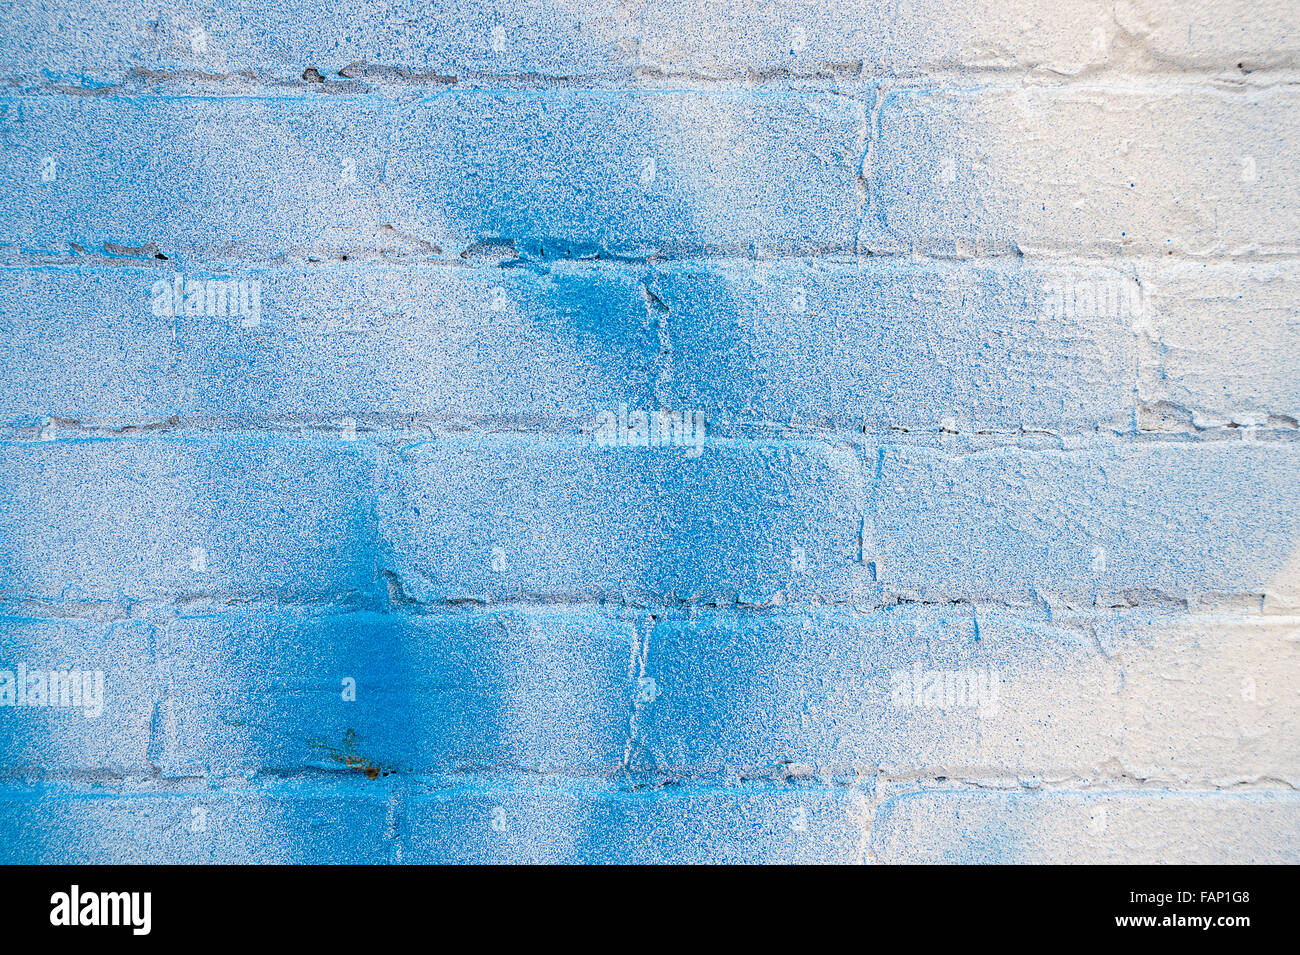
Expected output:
(679, 430)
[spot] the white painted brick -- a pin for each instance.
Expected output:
(1153, 828)
(1108, 171)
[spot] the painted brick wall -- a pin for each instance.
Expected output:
(335, 342)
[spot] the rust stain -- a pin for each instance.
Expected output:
(348, 756)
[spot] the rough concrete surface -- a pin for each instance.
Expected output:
(666, 430)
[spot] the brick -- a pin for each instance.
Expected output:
(220, 177)
(262, 691)
(595, 823)
(997, 172)
(1117, 526)
(539, 516)
(887, 345)
(150, 518)
(288, 823)
(107, 734)
(1164, 828)
(633, 173)
(1223, 346)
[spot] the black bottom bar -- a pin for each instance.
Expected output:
(299, 905)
